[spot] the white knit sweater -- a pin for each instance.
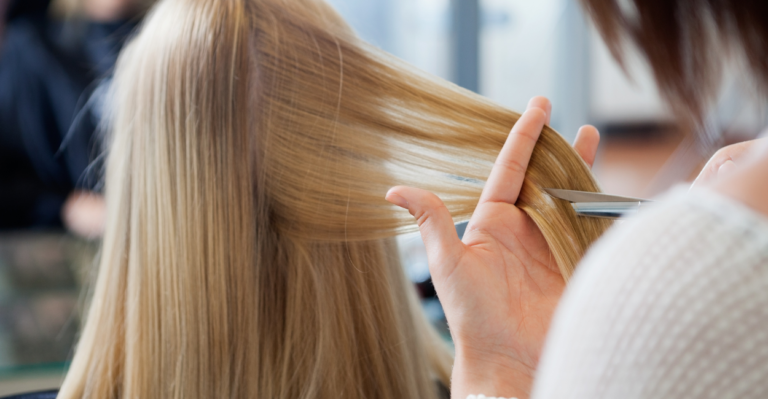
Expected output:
(670, 304)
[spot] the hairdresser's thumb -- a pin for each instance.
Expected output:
(444, 248)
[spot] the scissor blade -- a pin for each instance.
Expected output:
(585, 196)
(609, 210)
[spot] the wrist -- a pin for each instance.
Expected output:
(489, 375)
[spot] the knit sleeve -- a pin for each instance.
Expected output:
(671, 304)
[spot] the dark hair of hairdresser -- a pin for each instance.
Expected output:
(686, 41)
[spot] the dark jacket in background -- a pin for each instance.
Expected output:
(49, 71)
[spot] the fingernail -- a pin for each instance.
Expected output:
(397, 200)
(726, 167)
(548, 106)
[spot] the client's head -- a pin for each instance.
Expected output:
(248, 249)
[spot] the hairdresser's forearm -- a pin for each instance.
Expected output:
(489, 375)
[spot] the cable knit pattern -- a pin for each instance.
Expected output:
(673, 304)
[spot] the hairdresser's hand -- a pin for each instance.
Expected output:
(500, 286)
(724, 160)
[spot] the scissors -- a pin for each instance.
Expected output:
(598, 205)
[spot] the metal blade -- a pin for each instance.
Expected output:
(585, 196)
(610, 210)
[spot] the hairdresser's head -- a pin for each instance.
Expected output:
(687, 42)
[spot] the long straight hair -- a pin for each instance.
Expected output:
(249, 249)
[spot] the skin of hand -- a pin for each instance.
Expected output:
(499, 285)
(84, 214)
(725, 160)
(109, 10)
(746, 180)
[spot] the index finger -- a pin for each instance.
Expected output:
(508, 173)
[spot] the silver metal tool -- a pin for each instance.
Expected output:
(598, 205)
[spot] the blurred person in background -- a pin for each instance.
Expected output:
(53, 58)
(3, 10)
(669, 304)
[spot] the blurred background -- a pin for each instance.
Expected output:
(56, 59)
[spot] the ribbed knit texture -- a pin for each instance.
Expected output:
(670, 304)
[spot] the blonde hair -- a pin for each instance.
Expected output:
(249, 249)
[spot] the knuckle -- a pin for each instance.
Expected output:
(529, 134)
(720, 157)
(432, 208)
(721, 153)
(511, 165)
